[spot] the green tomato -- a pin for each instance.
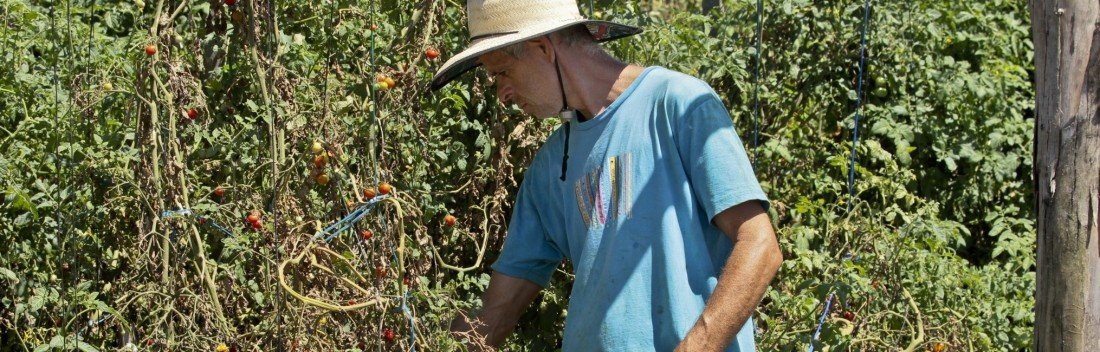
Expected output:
(880, 92)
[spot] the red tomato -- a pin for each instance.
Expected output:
(389, 335)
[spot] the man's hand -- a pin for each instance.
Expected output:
(503, 302)
(749, 269)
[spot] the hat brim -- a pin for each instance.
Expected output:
(466, 60)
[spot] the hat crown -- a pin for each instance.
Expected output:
(490, 17)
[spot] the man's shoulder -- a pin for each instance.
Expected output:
(676, 91)
(676, 83)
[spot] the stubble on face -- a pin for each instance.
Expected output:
(513, 78)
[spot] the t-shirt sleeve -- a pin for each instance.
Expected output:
(714, 158)
(528, 252)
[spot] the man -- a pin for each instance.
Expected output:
(646, 188)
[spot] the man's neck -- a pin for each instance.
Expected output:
(599, 82)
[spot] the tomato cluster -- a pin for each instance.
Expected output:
(384, 82)
(320, 160)
(253, 219)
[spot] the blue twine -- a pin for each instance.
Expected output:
(855, 145)
(393, 258)
(93, 323)
(412, 327)
(349, 220)
(859, 104)
(219, 227)
(756, 80)
(821, 320)
(404, 302)
(176, 213)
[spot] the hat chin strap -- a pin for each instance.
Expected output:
(566, 114)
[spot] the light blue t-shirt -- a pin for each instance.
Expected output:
(644, 180)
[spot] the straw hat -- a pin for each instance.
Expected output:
(495, 24)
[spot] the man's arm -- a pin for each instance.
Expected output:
(749, 269)
(502, 303)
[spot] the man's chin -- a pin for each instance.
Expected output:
(541, 115)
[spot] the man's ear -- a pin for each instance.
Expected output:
(543, 48)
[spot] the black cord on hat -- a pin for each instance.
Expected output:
(567, 115)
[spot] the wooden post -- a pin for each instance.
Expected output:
(1066, 34)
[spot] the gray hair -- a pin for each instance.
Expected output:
(570, 36)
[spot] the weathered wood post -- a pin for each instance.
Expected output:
(1066, 34)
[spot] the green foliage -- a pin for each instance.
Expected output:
(936, 246)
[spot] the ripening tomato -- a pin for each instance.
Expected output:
(389, 335)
